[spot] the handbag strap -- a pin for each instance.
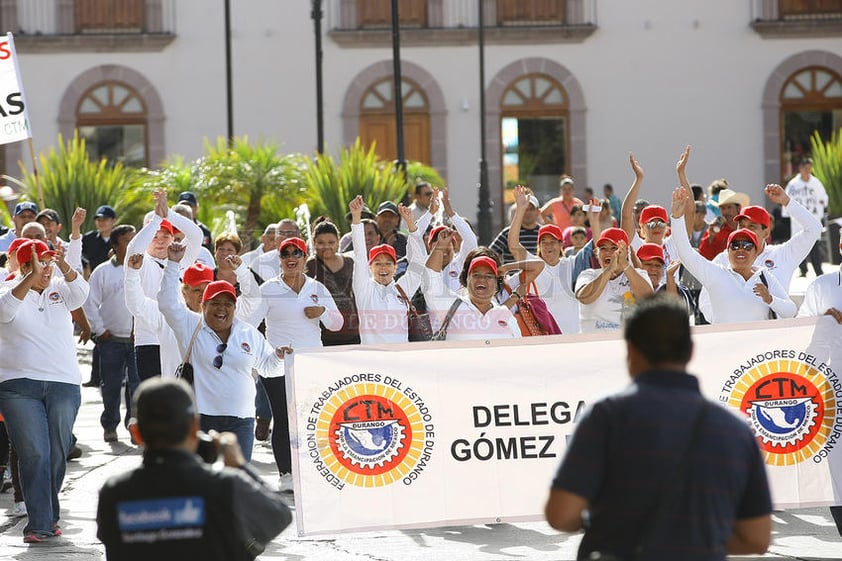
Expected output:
(192, 340)
(409, 305)
(450, 313)
(669, 491)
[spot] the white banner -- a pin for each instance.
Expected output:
(437, 434)
(14, 117)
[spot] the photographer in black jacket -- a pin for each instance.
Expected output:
(176, 507)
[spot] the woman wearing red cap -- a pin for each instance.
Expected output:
(741, 291)
(555, 282)
(473, 313)
(39, 376)
(294, 307)
(381, 307)
(225, 351)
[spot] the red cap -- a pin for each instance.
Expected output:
(431, 239)
(651, 212)
(16, 243)
(196, 274)
(613, 235)
(25, 250)
(550, 230)
(745, 234)
(297, 242)
(383, 248)
(167, 225)
(483, 261)
(216, 288)
(756, 214)
(650, 251)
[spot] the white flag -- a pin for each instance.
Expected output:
(14, 118)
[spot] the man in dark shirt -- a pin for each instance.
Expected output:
(176, 507)
(625, 455)
(97, 243)
(528, 232)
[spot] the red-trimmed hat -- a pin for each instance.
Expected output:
(16, 243)
(434, 233)
(483, 261)
(167, 225)
(196, 274)
(651, 212)
(745, 234)
(297, 242)
(650, 251)
(613, 235)
(25, 250)
(381, 249)
(756, 214)
(550, 230)
(216, 288)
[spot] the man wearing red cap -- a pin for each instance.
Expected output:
(155, 349)
(453, 254)
(381, 306)
(651, 257)
(606, 293)
(741, 291)
(111, 325)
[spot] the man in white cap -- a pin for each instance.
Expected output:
(528, 232)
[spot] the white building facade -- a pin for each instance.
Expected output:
(571, 85)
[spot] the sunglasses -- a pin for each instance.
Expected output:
(217, 360)
(294, 253)
(742, 244)
(656, 224)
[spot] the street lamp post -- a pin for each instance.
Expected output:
(400, 163)
(228, 72)
(317, 14)
(484, 214)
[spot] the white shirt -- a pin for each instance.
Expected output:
(250, 256)
(824, 293)
(381, 311)
(468, 322)
(36, 333)
(732, 297)
(811, 194)
(146, 330)
(228, 390)
(106, 304)
(781, 260)
(268, 265)
(609, 308)
(283, 310)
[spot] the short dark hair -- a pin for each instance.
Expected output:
(325, 227)
(420, 185)
(165, 411)
(120, 231)
(658, 327)
(698, 192)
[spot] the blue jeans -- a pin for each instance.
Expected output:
(261, 402)
(116, 364)
(39, 418)
(243, 428)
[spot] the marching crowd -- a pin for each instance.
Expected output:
(169, 300)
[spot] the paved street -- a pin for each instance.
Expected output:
(806, 534)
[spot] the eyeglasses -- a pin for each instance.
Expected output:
(656, 224)
(294, 253)
(480, 276)
(217, 360)
(288, 233)
(742, 244)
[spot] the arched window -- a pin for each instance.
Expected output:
(535, 134)
(112, 118)
(377, 120)
(811, 100)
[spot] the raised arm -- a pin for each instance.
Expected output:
(690, 206)
(416, 253)
(361, 273)
(521, 202)
(627, 213)
(698, 266)
(74, 246)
